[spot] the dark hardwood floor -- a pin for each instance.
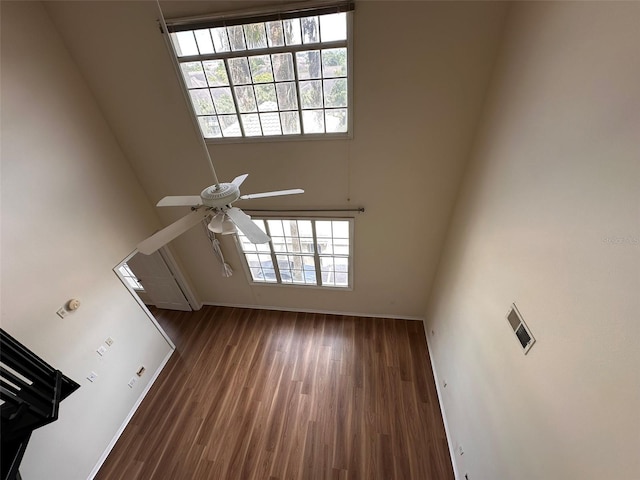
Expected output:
(266, 395)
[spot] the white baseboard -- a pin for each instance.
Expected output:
(441, 402)
(309, 310)
(128, 418)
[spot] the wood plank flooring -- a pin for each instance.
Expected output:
(266, 395)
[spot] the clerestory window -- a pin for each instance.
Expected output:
(314, 252)
(283, 74)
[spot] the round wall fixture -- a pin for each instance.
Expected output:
(73, 304)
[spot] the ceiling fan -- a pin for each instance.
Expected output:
(214, 201)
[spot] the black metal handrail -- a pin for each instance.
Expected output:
(31, 391)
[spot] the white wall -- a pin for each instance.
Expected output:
(420, 72)
(549, 217)
(71, 210)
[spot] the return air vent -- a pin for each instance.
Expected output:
(523, 334)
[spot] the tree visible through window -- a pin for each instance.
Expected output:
(286, 77)
(301, 252)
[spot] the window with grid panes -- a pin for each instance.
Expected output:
(301, 252)
(284, 76)
(130, 277)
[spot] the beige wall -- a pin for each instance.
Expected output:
(71, 210)
(548, 217)
(420, 72)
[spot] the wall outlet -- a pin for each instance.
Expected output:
(92, 377)
(62, 312)
(109, 341)
(132, 382)
(101, 350)
(460, 450)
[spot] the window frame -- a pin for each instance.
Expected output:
(130, 277)
(197, 23)
(315, 254)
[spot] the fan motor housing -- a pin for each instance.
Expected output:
(223, 194)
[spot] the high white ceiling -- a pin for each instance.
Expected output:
(420, 74)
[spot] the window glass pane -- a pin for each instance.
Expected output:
(270, 123)
(203, 39)
(216, 73)
(275, 227)
(266, 97)
(222, 100)
(341, 246)
(340, 228)
(201, 101)
(251, 124)
(341, 270)
(333, 27)
(290, 123)
(336, 120)
(261, 68)
(310, 29)
(210, 127)
(255, 35)
(193, 74)
(335, 92)
(323, 229)
(275, 34)
(229, 125)
(236, 38)
(313, 121)
(304, 228)
(279, 244)
(287, 99)
(334, 62)
(220, 39)
(292, 34)
(308, 64)
(239, 69)
(311, 94)
(184, 43)
(282, 66)
(246, 99)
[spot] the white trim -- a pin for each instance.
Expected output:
(311, 310)
(441, 402)
(137, 298)
(128, 418)
(184, 285)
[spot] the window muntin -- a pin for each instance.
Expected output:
(314, 252)
(268, 79)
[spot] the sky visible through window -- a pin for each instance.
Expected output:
(276, 78)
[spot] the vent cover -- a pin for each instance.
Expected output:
(523, 334)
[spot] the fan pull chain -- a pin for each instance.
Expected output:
(227, 271)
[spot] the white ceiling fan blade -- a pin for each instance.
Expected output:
(276, 193)
(164, 236)
(180, 201)
(239, 179)
(246, 225)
